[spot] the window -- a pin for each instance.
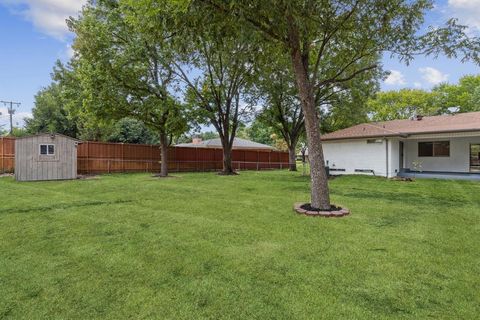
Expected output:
(47, 149)
(434, 149)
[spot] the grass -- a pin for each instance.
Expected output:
(202, 246)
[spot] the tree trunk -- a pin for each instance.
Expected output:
(320, 196)
(292, 158)
(227, 158)
(227, 162)
(164, 155)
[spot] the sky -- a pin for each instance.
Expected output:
(33, 35)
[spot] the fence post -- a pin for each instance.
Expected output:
(1, 156)
(196, 160)
(108, 164)
(123, 159)
(88, 158)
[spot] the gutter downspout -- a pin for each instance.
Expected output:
(386, 156)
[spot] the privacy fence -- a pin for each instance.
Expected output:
(100, 157)
(7, 155)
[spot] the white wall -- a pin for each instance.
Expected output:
(459, 160)
(393, 157)
(356, 154)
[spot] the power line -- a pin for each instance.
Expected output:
(11, 111)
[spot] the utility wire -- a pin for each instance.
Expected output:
(11, 111)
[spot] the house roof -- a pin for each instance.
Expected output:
(49, 134)
(237, 144)
(460, 122)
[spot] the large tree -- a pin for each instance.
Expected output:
(130, 130)
(347, 105)
(216, 64)
(444, 98)
(332, 42)
(282, 110)
(461, 97)
(127, 71)
(58, 108)
(49, 113)
(401, 104)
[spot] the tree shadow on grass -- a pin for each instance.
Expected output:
(62, 206)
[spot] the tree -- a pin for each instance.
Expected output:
(461, 97)
(129, 130)
(70, 99)
(332, 42)
(50, 115)
(282, 111)
(260, 132)
(214, 61)
(444, 98)
(207, 135)
(19, 132)
(401, 104)
(126, 72)
(347, 106)
(222, 56)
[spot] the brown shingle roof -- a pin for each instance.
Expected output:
(435, 124)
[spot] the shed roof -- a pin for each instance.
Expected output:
(461, 122)
(237, 144)
(50, 134)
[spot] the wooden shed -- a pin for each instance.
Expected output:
(45, 157)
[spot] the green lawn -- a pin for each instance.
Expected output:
(203, 246)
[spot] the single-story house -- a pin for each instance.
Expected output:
(238, 144)
(447, 144)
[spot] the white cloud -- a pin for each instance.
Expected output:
(395, 78)
(432, 75)
(417, 84)
(467, 11)
(48, 16)
(17, 118)
(69, 51)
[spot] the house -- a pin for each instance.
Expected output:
(45, 157)
(238, 143)
(447, 144)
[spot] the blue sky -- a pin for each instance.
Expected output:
(33, 35)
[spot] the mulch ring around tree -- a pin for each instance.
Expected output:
(306, 209)
(163, 177)
(223, 173)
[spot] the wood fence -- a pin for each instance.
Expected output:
(102, 157)
(7, 155)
